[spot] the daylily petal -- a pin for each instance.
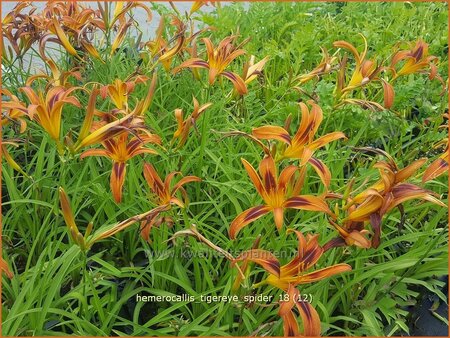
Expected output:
(87, 123)
(366, 208)
(153, 179)
(117, 180)
(310, 319)
(238, 82)
(63, 38)
(350, 47)
(253, 176)
(307, 202)
(435, 169)
(321, 274)
(268, 173)
(177, 201)
(278, 217)
(290, 325)
(95, 152)
(263, 258)
(247, 217)
(184, 181)
(408, 171)
(321, 170)
(272, 133)
(192, 63)
(406, 191)
(285, 177)
(321, 141)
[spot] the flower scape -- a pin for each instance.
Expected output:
(287, 162)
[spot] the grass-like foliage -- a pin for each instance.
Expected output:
(249, 169)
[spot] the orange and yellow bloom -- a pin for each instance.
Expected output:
(274, 190)
(120, 149)
(294, 273)
(417, 59)
(374, 202)
(119, 90)
(161, 49)
(302, 145)
(184, 125)
(365, 70)
(163, 194)
(47, 108)
(219, 58)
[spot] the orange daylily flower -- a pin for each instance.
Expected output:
(373, 203)
(102, 130)
(13, 111)
(416, 60)
(274, 191)
(163, 194)
(160, 48)
(119, 90)
(324, 67)
(365, 70)
(302, 145)
(292, 274)
(184, 125)
(72, 24)
(252, 70)
(112, 124)
(47, 110)
(218, 60)
(20, 31)
(120, 149)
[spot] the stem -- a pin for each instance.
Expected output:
(84, 282)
